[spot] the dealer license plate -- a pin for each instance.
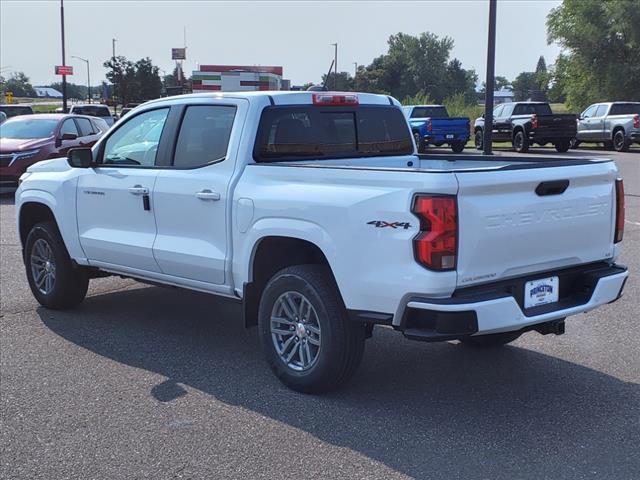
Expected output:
(541, 292)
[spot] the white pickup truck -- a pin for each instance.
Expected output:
(314, 210)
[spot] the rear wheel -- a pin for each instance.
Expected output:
(307, 338)
(562, 145)
(493, 340)
(478, 139)
(54, 280)
(457, 147)
(520, 142)
(620, 141)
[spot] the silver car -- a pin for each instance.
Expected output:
(614, 124)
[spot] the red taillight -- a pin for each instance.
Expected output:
(429, 126)
(436, 246)
(534, 121)
(636, 121)
(619, 210)
(334, 99)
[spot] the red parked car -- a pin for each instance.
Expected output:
(25, 140)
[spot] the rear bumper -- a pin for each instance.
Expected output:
(544, 136)
(442, 138)
(634, 136)
(499, 307)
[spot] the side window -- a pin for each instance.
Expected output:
(204, 135)
(601, 111)
(589, 111)
(69, 126)
(136, 141)
(86, 129)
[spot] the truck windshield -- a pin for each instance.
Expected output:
(625, 109)
(292, 131)
(429, 112)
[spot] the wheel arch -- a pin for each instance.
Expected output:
(33, 212)
(270, 254)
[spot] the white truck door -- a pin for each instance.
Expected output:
(192, 198)
(116, 222)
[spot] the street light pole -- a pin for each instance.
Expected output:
(490, 81)
(335, 66)
(113, 60)
(64, 77)
(88, 75)
(355, 76)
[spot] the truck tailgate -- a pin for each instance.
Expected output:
(442, 126)
(506, 229)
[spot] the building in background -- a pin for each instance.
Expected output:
(47, 92)
(234, 78)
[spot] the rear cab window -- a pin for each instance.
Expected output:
(92, 110)
(532, 108)
(14, 111)
(430, 112)
(303, 132)
(625, 109)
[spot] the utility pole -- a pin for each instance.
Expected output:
(335, 65)
(490, 81)
(64, 77)
(355, 76)
(113, 59)
(88, 76)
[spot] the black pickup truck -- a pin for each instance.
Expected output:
(526, 123)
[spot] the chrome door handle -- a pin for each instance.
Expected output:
(139, 190)
(208, 195)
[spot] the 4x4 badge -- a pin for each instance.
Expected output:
(383, 224)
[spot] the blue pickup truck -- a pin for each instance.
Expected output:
(432, 125)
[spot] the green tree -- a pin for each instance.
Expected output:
(525, 86)
(149, 84)
(500, 84)
(601, 42)
(18, 84)
(344, 82)
(73, 90)
(542, 78)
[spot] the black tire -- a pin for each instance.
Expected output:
(563, 145)
(421, 145)
(69, 285)
(520, 142)
(493, 340)
(457, 147)
(575, 143)
(342, 341)
(478, 139)
(620, 142)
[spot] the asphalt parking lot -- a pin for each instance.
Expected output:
(148, 382)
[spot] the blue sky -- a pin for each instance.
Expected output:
(293, 34)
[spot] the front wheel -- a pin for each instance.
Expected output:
(620, 142)
(563, 145)
(493, 340)
(306, 336)
(54, 280)
(457, 147)
(478, 139)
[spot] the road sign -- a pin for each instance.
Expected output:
(8, 97)
(178, 54)
(64, 70)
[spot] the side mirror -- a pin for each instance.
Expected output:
(80, 157)
(68, 136)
